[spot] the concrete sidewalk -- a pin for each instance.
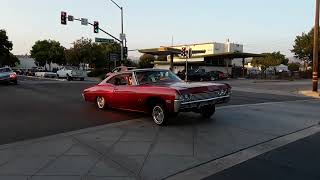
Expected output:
(138, 149)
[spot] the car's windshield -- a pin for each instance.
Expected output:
(5, 70)
(147, 77)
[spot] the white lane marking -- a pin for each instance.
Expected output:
(218, 165)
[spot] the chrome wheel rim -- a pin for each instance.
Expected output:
(158, 115)
(100, 102)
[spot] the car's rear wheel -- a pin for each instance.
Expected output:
(82, 79)
(159, 115)
(207, 111)
(101, 102)
(15, 82)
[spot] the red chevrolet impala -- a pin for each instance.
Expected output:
(158, 92)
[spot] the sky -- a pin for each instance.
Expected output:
(260, 25)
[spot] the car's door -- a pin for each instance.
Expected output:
(124, 96)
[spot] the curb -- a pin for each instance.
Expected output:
(310, 94)
(217, 165)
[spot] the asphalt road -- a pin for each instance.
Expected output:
(37, 108)
(295, 161)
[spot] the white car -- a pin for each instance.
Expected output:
(45, 74)
(71, 73)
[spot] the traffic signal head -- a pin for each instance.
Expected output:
(63, 18)
(125, 52)
(183, 52)
(96, 27)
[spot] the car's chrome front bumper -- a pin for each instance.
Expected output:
(185, 106)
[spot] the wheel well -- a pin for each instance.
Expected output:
(151, 101)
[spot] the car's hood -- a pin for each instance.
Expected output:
(194, 87)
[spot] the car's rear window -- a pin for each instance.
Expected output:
(5, 70)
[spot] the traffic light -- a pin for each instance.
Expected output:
(63, 18)
(96, 27)
(125, 52)
(184, 52)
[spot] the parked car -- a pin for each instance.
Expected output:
(30, 72)
(8, 76)
(215, 75)
(119, 69)
(46, 74)
(158, 92)
(71, 73)
(194, 75)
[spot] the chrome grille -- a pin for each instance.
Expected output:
(207, 95)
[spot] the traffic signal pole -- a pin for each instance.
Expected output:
(122, 38)
(76, 19)
(316, 50)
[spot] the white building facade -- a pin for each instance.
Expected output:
(212, 59)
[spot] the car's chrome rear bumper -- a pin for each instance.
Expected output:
(186, 106)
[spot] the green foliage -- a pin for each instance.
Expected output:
(269, 60)
(146, 61)
(47, 52)
(6, 58)
(294, 67)
(130, 63)
(88, 52)
(303, 47)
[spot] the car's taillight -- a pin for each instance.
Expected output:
(13, 75)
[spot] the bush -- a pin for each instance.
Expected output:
(293, 67)
(97, 73)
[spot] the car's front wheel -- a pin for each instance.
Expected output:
(159, 115)
(101, 102)
(207, 111)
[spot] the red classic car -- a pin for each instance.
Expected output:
(158, 92)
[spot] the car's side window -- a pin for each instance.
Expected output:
(120, 80)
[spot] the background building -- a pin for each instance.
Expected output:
(216, 57)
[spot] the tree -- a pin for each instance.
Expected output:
(6, 57)
(303, 48)
(47, 52)
(84, 51)
(270, 60)
(146, 61)
(293, 67)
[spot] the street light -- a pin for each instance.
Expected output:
(122, 37)
(316, 50)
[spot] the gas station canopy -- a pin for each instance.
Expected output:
(162, 51)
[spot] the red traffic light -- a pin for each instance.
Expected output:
(63, 18)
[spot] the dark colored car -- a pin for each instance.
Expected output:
(158, 92)
(215, 75)
(8, 76)
(194, 75)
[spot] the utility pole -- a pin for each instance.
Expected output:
(316, 50)
(122, 37)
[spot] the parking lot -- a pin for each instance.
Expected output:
(87, 143)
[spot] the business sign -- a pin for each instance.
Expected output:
(104, 40)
